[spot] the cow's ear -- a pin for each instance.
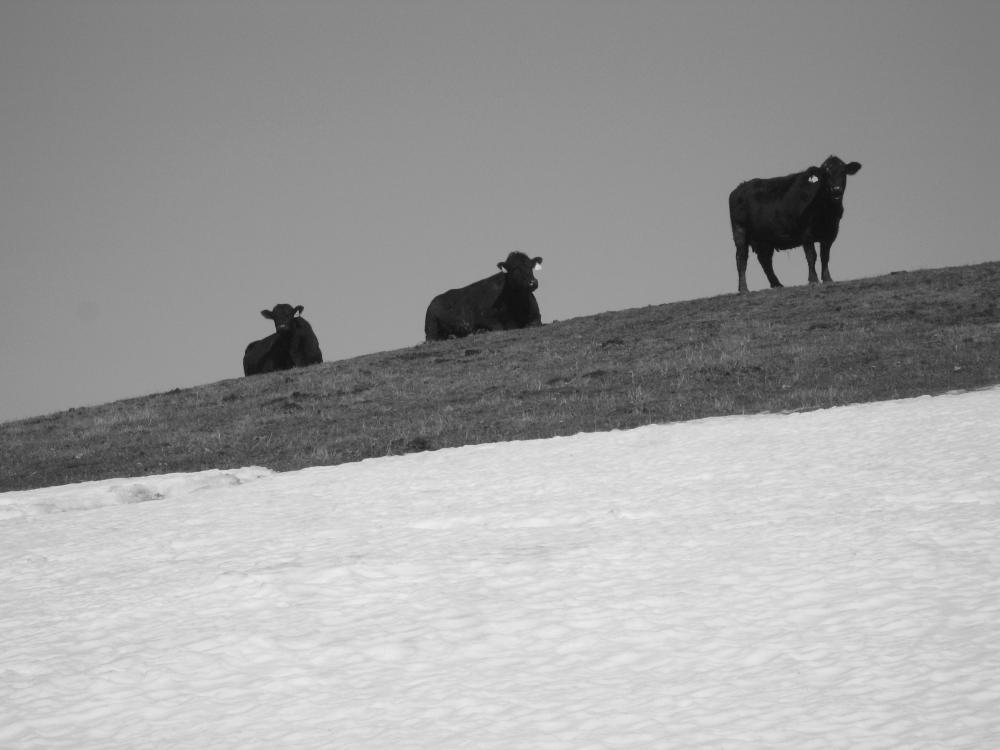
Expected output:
(852, 168)
(267, 314)
(299, 309)
(538, 263)
(502, 266)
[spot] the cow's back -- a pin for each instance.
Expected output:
(267, 355)
(771, 212)
(460, 312)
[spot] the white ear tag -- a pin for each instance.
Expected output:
(814, 178)
(538, 267)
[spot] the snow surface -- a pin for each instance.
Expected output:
(819, 580)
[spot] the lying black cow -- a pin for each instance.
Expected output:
(502, 301)
(293, 343)
(784, 212)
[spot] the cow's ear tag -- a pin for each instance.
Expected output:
(538, 267)
(813, 178)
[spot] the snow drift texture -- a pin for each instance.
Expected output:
(817, 580)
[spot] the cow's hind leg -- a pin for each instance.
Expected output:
(810, 250)
(742, 253)
(766, 255)
(824, 261)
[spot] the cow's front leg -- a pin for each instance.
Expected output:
(810, 250)
(765, 255)
(824, 261)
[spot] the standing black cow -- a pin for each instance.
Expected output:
(784, 212)
(504, 300)
(293, 343)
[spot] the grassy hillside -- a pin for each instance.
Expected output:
(904, 334)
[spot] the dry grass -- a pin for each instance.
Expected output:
(797, 348)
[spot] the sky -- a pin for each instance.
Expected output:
(636, 591)
(172, 168)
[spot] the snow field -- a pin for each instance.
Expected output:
(816, 580)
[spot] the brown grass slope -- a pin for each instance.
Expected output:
(905, 334)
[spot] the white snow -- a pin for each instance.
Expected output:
(819, 580)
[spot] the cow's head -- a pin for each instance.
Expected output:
(520, 270)
(282, 315)
(833, 174)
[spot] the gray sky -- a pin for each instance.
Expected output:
(171, 168)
